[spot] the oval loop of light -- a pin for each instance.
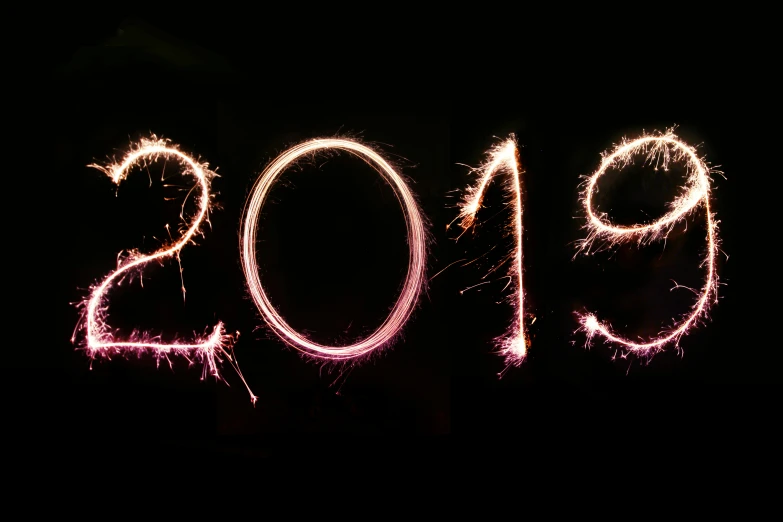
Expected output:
(417, 243)
(697, 188)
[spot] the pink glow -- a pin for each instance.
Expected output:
(414, 281)
(513, 345)
(99, 339)
(660, 150)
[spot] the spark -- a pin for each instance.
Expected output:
(503, 157)
(99, 339)
(447, 266)
(660, 150)
(417, 241)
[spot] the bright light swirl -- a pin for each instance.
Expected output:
(417, 242)
(660, 149)
(208, 350)
(513, 345)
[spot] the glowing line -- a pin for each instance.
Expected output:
(660, 149)
(513, 345)
(99, 338)
(414, 281)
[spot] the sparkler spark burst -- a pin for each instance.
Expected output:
(503, 157)
(99, 339)
(659, 150)
(417, 242)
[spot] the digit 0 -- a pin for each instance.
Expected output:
(414, 280)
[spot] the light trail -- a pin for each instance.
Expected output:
(503, 157)
(99, 339)
(415, 279)
(659, 150)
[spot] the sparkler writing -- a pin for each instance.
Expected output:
(660, 150)
(208, 350)
(513, 345)
(414, 281)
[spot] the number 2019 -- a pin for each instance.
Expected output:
(661, 149)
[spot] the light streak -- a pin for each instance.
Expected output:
(417, 243)
(503, 157)
(99, 339)
(660, 150)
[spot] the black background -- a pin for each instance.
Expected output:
(334, 242)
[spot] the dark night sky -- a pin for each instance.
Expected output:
(336, 252)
